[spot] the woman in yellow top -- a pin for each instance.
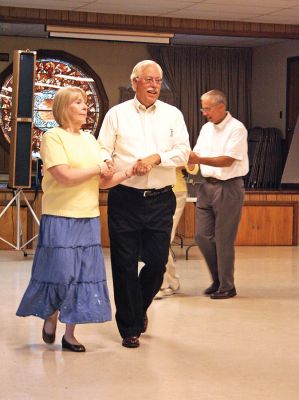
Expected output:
(68, 280)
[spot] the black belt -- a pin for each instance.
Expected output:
(147, 192)
(213, 181)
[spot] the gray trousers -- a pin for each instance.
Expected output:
(218, 213)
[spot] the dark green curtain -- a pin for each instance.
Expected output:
(191, 71)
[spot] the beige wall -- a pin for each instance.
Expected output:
(113, 62)
(269, 83)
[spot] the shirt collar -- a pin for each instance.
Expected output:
(222, 124)
(140, 107)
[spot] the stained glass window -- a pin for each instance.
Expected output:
(54, 70)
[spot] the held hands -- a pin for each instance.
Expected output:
(143, 166)
(107, 169)
(129, 172)
(110, 165)
(194, 158)
(140, 168)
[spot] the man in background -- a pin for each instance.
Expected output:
(221, 151)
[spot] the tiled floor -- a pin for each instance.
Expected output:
(195, 348)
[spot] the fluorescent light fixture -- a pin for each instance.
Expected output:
(108, 34)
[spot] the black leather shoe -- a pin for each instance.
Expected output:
(48, 337)
(224, 295)
(78, 348)
(145, 323)
(131, 342)
(213, 288)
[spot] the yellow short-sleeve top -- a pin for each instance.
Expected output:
(78, 151)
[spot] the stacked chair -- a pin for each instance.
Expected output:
(265, 158)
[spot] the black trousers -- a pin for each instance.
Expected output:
(137, 226)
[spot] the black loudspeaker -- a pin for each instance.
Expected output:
(22, 119)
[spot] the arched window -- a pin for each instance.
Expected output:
(54, 69)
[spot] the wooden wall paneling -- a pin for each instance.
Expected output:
(6, 223)
(186, 226)
(104, 227)
(271, 219)
(103, 200)
(36, 204)
(8, 230)
(8, 220)
(295, 197)
(256, 197)
(285, 196)
(268, 224)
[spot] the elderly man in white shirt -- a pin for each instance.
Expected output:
(221, 151)
(153, 136)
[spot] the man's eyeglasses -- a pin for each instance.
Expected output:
(208, 109)
(151, 80)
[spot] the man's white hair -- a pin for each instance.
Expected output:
(142, 65)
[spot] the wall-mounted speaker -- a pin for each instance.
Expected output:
(20, 162)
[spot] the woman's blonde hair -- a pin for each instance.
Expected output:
(63, 98)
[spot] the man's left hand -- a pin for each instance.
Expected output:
(144, 165)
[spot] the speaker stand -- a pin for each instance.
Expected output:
(17, 199)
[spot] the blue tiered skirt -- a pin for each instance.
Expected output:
(68, 273)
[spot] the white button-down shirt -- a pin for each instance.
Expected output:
(228, 138)
(130, 132)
